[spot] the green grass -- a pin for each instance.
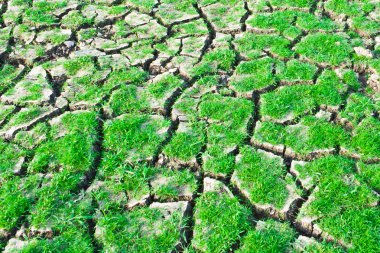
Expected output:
(141, 230)
(185, 146)
(7, 74)
(215, 61)
(260, 175)
(162, 87)
(14, 203)
(146, 104)
(296, 71)
(253, 75)
(74, 151)
(74, 20)
(251, 45)
(220, 221)
(343, 202)
(371, 174)
(269, 236)
(309, 135)
(366, 138)
(174, 182)
(132, 138)
(24, 116)
(71, 240)
(217, 108)
(314, 47)
(127, 100)
(279, 21)
(358, 107)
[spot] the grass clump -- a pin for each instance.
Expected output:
(310, 134)
(24, 116)
(280, 104)
(269, 236)
(164, 86)
(127, 100)
(13, 202)
(342, 202)
(218, 108)
(280, 21)
(253, 75)
(74, 151)
(261, 176)
(7, 74)
(371, 174)
(227, 130)
(358, 107)
(314, 134)
(220, 221)
(74, 20)
(314, 47)
(42, 13)
(174, 184)
(297, 3)
(311, 22)
(296, 71)
(218, 60)
(251, 45)
(70, 240)
(366, 138)
(185, 146)
(269, 132)
(132, 138)
(140, 230)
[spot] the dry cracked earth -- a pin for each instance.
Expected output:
(189, 126)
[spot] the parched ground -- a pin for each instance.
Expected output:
(189, 126)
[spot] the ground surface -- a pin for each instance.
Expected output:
(190, 126)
